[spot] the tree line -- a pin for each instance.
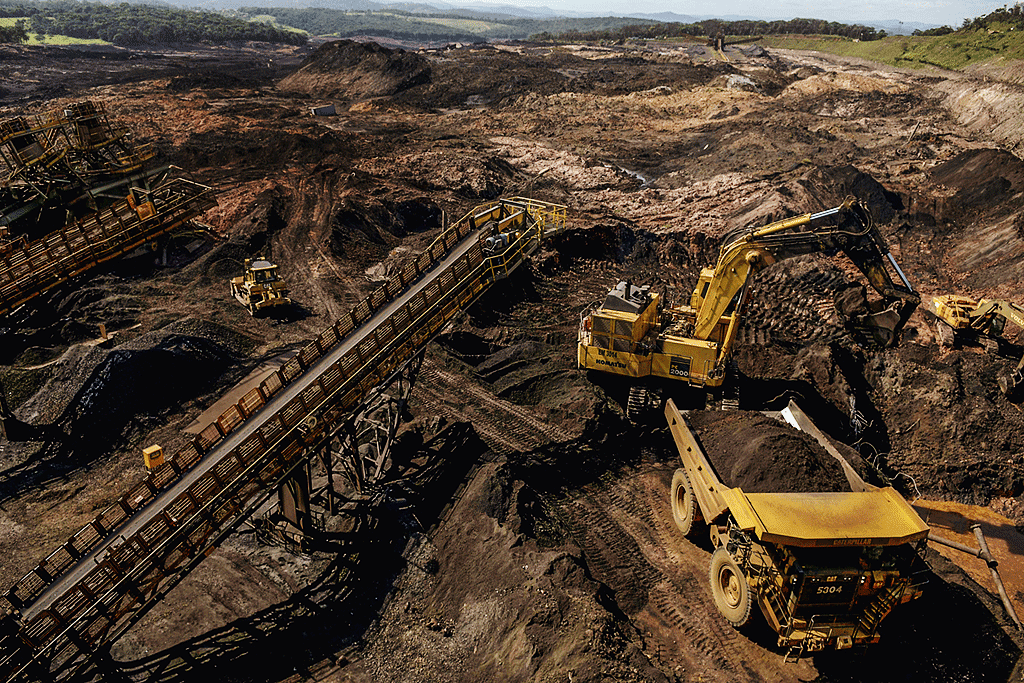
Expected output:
(135, 25)
(14, 34)
(1014, 16)
(718, 27)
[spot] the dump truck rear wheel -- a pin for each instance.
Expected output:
(684, 505)
(730, 588)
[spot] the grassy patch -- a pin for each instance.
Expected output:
(467, 25)
(36, 39)
(952, 51)
(269, 19)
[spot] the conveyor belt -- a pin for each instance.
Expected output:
(102, 580)
(31, 269)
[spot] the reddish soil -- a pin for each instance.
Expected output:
(535, 541)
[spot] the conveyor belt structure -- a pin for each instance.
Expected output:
(92, 588)
(30, 269)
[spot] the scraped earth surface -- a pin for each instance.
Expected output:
(529, 536)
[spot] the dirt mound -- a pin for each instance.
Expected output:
(351, 70)
(502, 607)
(762, 455)
(832, 185)
(128, 386)
(979, 213)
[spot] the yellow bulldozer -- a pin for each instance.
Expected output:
(260, 288)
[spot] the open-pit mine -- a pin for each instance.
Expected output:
(509, 362)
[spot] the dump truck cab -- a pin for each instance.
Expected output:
(260, 287)
(823, 568)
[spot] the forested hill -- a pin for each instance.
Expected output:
(718, 27)
(452, 26)
(137, 25)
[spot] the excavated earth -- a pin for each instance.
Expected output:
(527, 535)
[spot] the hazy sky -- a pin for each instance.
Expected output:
(938, 12)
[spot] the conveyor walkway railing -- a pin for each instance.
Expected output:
(30, 269)
(95, 586)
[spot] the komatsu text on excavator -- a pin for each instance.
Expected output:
(633, 334)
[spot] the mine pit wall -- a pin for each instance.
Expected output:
(994, 112)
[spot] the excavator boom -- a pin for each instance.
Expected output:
(632, 335)
(752, 250)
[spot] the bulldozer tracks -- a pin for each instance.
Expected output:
(504, 426)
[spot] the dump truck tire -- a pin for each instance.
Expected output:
(684, 505)
(730, 589)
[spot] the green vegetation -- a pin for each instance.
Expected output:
(448, 27)
(136, 25)
(948, 51)
(999, 35)
(12, 30)
(717, 27)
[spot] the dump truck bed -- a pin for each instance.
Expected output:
(868, 515)
(878, 517)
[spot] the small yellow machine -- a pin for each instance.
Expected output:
(260, 287)
(823, 568)
(960, 316)
(634, 335)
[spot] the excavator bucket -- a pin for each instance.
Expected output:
(1010, 384)
(881, 327)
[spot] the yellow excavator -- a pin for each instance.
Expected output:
(634, 335)
(960, 316)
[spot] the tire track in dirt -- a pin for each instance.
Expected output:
(631, 544)
(505, 427)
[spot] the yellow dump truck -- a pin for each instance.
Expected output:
(823, 568)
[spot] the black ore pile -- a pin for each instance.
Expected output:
(760, 454)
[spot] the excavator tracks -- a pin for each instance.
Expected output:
(504, 426)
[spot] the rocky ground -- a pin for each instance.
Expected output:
(539, 544)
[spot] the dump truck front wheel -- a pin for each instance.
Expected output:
(684, 506)
(730, 588)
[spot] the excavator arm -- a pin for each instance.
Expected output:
(745, 252)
